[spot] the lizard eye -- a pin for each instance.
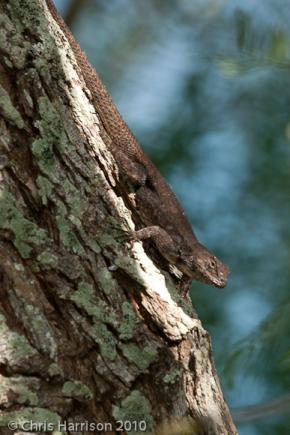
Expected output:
(212, 264)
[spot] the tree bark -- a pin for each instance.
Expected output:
(91, 331)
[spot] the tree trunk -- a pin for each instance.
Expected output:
(91, 331)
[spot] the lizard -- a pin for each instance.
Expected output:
(166, 223)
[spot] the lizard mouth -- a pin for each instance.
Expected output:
(221, 283)
(222, 279)
(218, 281)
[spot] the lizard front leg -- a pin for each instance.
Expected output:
(161, 238)
(131, 171)
(151, 211)
(167, 248)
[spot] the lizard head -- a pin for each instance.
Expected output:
(201, 265)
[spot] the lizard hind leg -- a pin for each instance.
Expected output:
(131, 171)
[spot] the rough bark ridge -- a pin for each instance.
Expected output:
(90, 331)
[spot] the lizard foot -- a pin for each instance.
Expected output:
(126, 236)
(184, 287)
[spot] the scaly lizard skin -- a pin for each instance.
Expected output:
(157, 205)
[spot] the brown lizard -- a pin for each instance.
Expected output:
(166, 223)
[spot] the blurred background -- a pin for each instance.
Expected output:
(205, 87)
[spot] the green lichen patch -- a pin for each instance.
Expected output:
(172, 376)
(77, 390)
(67, 236)
(43, 151)
(21, 388)
(51, 125)
(105, 339)
(88, 240)
(40, 329)
(26, 233)
(94, 246)
(85, 298)
(47, 259)
(15, 348)
(27, 13)
(8, 111)
(74, 198)
(41, 418)
(61, 208)
(12, 43)
(19, 267)
(106, 239)
(55, 370)
(34, 321)
(135, 408)
(141, 357)
(45, 188)
(53, 136)
(105, 280)
(128, 323)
